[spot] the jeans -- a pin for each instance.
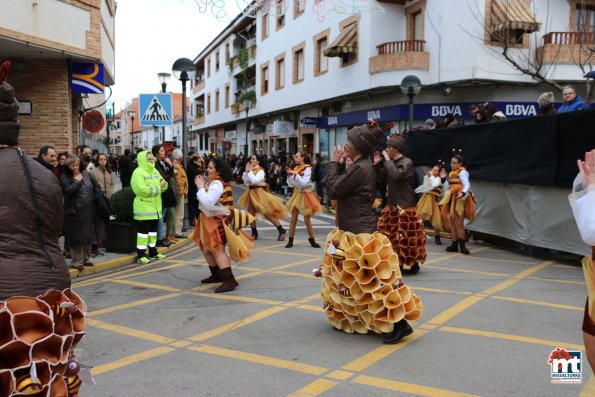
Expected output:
(161, 225)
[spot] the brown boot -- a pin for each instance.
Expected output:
(437, 239)
(454, 247)
(289, 243)
(229, 282)
(313, 242)
(462, 247)
(215, 276)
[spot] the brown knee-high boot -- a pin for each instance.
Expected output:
(229, 282)
(215, 276)
(462, 247)
(454, 247)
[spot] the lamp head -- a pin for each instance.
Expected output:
(247, 104)
(163, 78)
(183, 69)
(410, 85)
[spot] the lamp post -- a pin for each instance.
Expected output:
(163, 80)
(410, 86)
(131, 114)
(247, 103)
(110, 124)
(184, 70)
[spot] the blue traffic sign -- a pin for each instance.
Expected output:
(155, 109)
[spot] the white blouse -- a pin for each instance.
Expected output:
(251, 179)
(301, 182)
(210, 197)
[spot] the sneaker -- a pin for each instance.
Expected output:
(181, 235)
(158, 256)
(143, 261)
(163, 243)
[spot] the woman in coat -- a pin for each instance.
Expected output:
(104, 178)
(79, 208)
(195, 166)
(147, 184)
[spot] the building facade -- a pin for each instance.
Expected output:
(42, 39)
(313, 69)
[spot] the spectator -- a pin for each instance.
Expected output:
(436, 124)
(127, 166)
(182, 182)
(481, 115)
(450, 121)
(572, 102)
(168, 198)
(79, 205)
(493, 113)
(473, 110)
(589, 75)
(195, 166)
(86, 158)
(59, 169)
(105, 179)
(546, 103)
(47, 157)
(318, 176)
(428, 124)
(32, 212)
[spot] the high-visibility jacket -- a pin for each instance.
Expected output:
(145, 183)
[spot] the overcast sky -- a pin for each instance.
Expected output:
(152, 34)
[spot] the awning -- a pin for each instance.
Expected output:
(513, 15)
(345, 43)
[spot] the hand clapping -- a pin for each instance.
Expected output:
(338, 154)
(587, 169)
(199, 181)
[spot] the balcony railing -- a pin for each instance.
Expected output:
(198, 86)
(394, 47)
(568, 38)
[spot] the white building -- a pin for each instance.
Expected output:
(306, 100)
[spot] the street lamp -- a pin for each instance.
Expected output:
(110, 124)
(410, 86)
(131, 114)
(247, 104)
(184, 70)
(163, 80)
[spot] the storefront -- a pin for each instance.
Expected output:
(229, 139)
(282, 136)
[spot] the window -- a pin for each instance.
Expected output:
(208, 67)
(264, 25)
(414, 15)
(280, 71)
(584, 17)
(226, 95)
(217, 100)
(298, 63)
(208, 103)
(264, 78)
(299, 6)
(227, 53)
(321, 42)
(216, 61)
(280, 13)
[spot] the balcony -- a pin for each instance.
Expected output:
(400, 55)
(198, 119)
(565, 47)
(198, 86)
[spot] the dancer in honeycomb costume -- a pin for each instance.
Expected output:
(399, 220)
(38, 330)
(362, 288)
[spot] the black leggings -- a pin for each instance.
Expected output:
(145, 227)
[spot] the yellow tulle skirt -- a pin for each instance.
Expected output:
(259, 201)
(362, 286)
(212, 233)
(306, 202)
(452, 206)
(427, 209)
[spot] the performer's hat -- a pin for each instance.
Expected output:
(397, 141)
(365, 137)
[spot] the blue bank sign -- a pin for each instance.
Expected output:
(423, 111)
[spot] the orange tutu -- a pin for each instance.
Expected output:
(304, 201)
(209, 233)
(258, 201)
(405, 232)
(452, 205)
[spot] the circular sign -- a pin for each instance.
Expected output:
(93, 121)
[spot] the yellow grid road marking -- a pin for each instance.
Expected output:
(516, 338)
(311, 308)
(315, 388)
(403, 387)
(146, 285)
(119, 329)
(246, 299)
(589, 389)
(259, 359)
(133, 359)
(557, 280)
(512, 262)
(282, 267)
(155, 270)
(340, 375)
(381, 352)
(517, 277)
(438, 290)
(455, 310)
(540, 303)
(236, 324)
(129, 305)
(291, 253)
(295, 274)
(457, 270)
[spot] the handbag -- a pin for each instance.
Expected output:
(102, 203)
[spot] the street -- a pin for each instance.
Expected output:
(490, 322)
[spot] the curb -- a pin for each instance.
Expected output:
(123, 260)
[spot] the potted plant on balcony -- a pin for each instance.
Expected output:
(121, 232)
(250, 95)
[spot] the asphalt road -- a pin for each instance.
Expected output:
(490, 322)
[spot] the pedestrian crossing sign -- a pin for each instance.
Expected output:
(155, 110)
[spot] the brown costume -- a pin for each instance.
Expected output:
(399, 220)
(32, 213)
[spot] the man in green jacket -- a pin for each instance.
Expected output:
(147, 184)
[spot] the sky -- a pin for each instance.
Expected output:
(152, 34)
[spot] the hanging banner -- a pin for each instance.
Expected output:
(86, 78)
